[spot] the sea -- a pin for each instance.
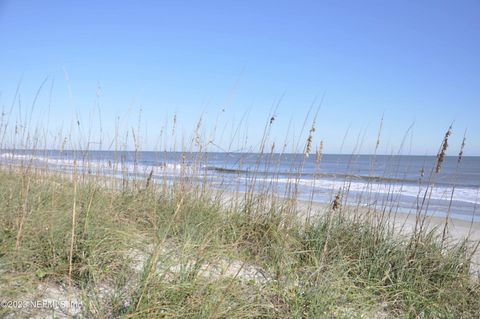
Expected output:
(396, 182)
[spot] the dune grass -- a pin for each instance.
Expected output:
(186, 251)
(134, 246)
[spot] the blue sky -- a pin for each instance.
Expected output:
(410, 61)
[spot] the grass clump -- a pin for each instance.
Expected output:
(421, 279)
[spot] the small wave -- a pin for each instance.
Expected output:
(461, 194)
(318, 175)
(227, 170)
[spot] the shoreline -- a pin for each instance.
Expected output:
(404, 223)
(459, 228)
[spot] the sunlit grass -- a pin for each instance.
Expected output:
(136, 246)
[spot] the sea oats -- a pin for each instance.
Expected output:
(149, 178)
(443, 150)
(460, 154)
(174, 123)
(319, 153)
(337, 202)
(308, 148)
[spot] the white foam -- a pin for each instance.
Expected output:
(170, 169)
(462, 194)
(99, 166)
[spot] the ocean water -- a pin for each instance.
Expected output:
(396, 182)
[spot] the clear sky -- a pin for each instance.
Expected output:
(412, 61)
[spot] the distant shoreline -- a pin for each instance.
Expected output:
(227, 152)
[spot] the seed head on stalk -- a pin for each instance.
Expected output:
(443, 150)
(337, 202)
(460, 154)
(308, 148)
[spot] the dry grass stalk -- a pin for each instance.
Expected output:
(443, 150)
(460, 154)
(319, 153)
(24, 212)
(337, 202)
(149, 179)
(447, 217)
(72, 236)
(308, 147)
